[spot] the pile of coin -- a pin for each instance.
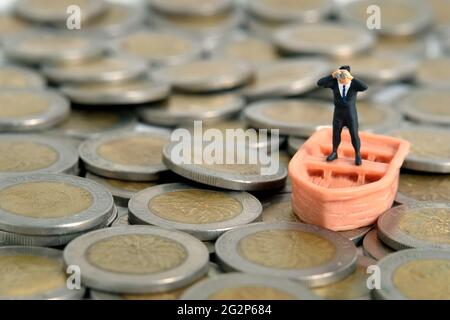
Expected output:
(89, 174)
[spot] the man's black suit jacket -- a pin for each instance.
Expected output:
(355, 87)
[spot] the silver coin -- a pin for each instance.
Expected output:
(44, 47)
(211, 246)
(89, 124)
(434, 73)
(190, 7)
(117, 93)
(285, 78)
(415, 274)
(291, 11)
(206, 75)
(16, 239)
(294, 144)
(121, 221)
(278, 208)
(315, 39)
(269, 249)
(117, 20)
(302, 117)
(354, 287)
(416, 16)
(423, 187)
(52, 204)
(13, 77)
(420, 225)
(373, 247)
(103, 69)
(430, 150)
(24, 154)
(55, 11)
(133, 156)
(245, 177)
(159, 48)
(242, 286)
(426, 105)
(31, 109)
(121, 190)
(25, 280)
(203, 213)
(182, 109)
(168, 259)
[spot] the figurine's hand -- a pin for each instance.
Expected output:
(347, 74)
(335, 73)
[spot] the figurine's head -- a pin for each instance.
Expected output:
(344, 76)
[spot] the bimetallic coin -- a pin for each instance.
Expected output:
(87, 124)
(306, 253)
(426, 105)
(52, 204)
(294, 144)
(129, 92)
(354, 287)
(287, 77)
(206, 75)
(434, 73)
(416, 274)
(159, 48)
(181, 109)
(279, 209)
(398, 17)
(103, 69)
(203, 213)
(41, 47)
(168, 259)
(408, 47)
(11, 26)
(441, 11)
(302, 117)
(12, 77)
(121, 221)
(321, 39)
(241, 286)
(55, 11)
(374, 248)
(28, 154)
(252, 50)
(31, 109)
(243, 174)
(306, 11)
(417, 187)
(34, 274)
(430, 150)
(133, 156)
(121, 190)
(420, 225)
(190, 7)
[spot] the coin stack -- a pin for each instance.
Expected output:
(89, 178)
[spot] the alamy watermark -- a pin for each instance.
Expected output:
(73, 21)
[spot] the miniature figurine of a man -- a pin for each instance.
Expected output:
(345, 89)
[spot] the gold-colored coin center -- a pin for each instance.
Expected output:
(136, 254)
(195, 206)
(46, 199)
(425, 187)
(23, 156)
(251, 293)
(286, 249)
(426, 143)
(19, 105)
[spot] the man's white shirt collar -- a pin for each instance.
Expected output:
(341, 88)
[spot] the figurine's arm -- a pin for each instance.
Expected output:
(326, 82)
(359, 85)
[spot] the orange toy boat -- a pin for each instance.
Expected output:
(339, 195)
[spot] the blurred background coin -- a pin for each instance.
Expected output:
(206, 75)
(434, 72)
(294, 144)
(34, 274)
(31, 109)
(374, 248)
(133, 156)
(11, 26)
(242, 286)
(270, 248)
(28, 154)
(181, 109)
(13, 77)
(190, 7)
(415, 274)
(204, 213)
(168, 259)
(419, 225)
(415, 187)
